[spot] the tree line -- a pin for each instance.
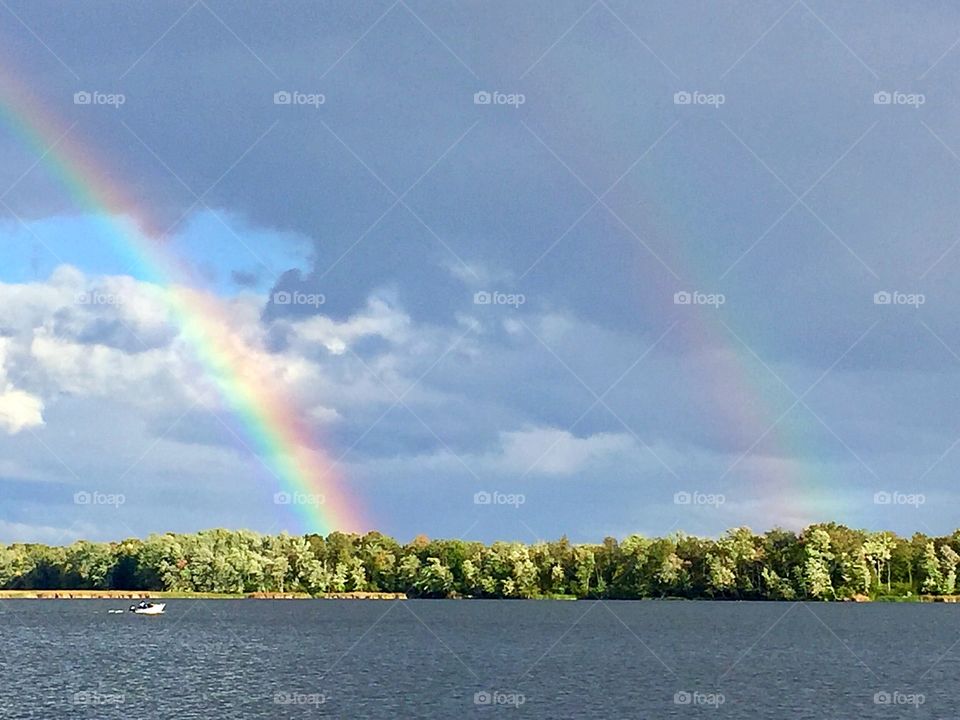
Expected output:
(823, 562)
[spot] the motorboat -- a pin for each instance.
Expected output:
(148, 608)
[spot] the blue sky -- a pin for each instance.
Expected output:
(815, 165)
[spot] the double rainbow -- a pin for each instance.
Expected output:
(273, 423)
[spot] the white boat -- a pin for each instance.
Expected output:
(148, 608)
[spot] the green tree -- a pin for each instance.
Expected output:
(434, 579)
(930, 570)
(409, 571)
(948, 569)
(816, 568)
(584, 565)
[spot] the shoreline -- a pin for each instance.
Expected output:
(186, 595)
(163, 595)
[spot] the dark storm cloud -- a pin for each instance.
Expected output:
(801, 198)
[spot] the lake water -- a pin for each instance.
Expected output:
(452, 659)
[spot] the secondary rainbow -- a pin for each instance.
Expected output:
(273, 423)
(755, 425)
(771, 466)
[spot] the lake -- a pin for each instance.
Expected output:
(442, 659)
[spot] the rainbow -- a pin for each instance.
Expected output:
(748, 405)
(276, 429)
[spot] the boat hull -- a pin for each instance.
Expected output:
(154, 610)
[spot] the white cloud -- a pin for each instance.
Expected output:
(11, 532)
(80, 337)
(553, 451)
(19, 410)
(476, 274)
(324, 415)
(492, 403)
(379, 319)
(541, 451)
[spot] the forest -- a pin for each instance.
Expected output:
(823, 562)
